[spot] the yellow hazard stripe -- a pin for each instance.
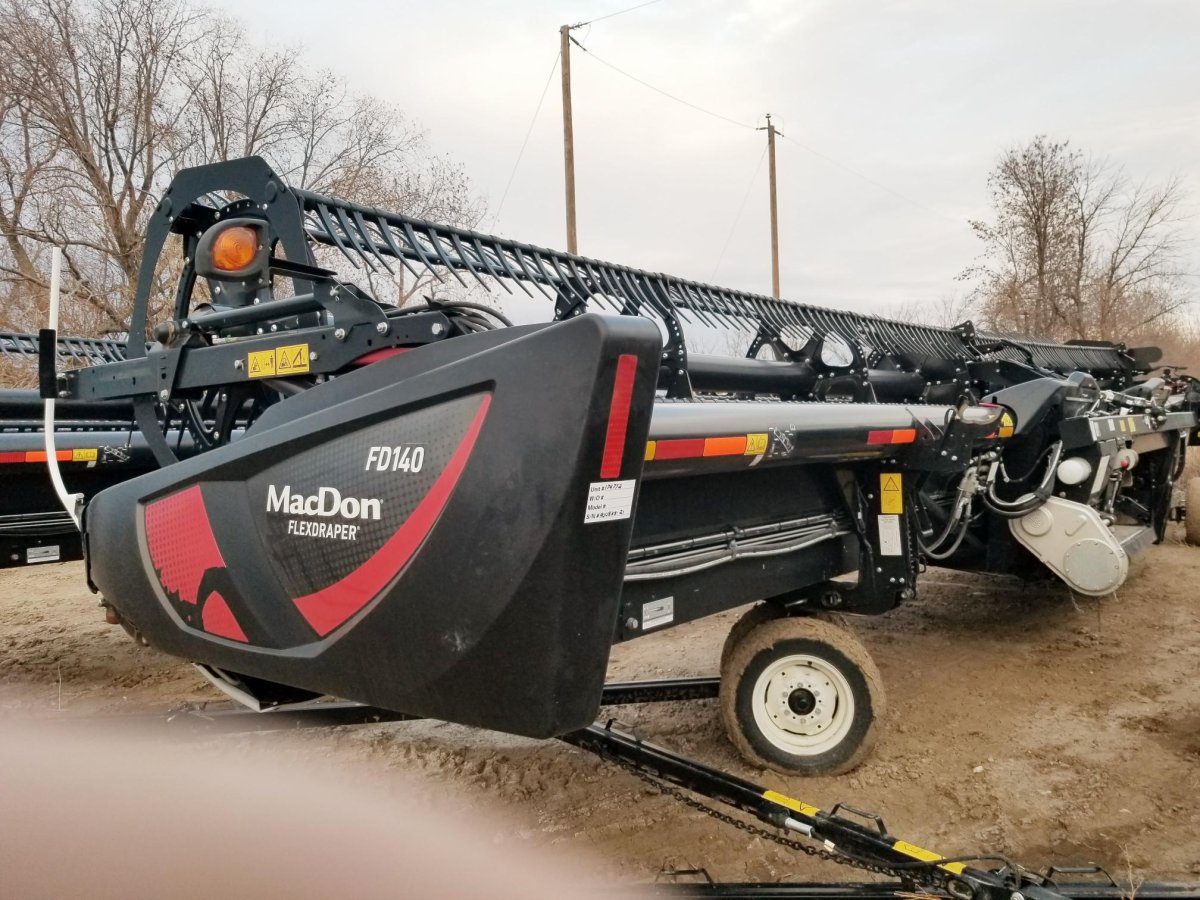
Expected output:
(926, 856)
(900, 846)
(796, 805)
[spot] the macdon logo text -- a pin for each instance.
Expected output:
(326, 502)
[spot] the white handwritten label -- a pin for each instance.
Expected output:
(609, 501)
(889, 536)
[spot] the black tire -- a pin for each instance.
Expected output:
(831, 736)
(1191, 514)
(764, 612)
(750, 619)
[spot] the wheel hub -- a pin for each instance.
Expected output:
(801, 699)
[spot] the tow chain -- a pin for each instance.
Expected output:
(931, 876)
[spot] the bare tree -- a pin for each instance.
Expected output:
(101, 101)
(1073, 250)
(945, 312)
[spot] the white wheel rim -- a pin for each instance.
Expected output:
(803, 705)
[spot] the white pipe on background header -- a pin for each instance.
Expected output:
(70, 502)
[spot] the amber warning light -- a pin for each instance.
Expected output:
(235, 248)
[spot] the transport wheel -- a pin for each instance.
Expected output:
(800, 695)
(1191, 514)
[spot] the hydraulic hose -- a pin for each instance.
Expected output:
(939, 555)
(1029, 502)
(951, 520)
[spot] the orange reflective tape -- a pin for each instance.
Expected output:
(725, 446)
(904, 435)
(40, 455)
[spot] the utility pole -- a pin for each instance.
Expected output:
(564, 34)
(769, 128)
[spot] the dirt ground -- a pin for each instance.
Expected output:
(1021, 720)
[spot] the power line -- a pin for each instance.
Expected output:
(619, 12)
(525, 143)
(828, 159)
(869, 180)
(669, 96)
(738, 217)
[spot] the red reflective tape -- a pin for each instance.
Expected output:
(879, 437)
(618, 416)
(13, 457)
(904, 435)
(679, 449)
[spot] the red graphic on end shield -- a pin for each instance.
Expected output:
(328, 608)
(181, 542)
(218, 619)
(185, 555)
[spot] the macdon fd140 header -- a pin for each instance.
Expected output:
(428, 510)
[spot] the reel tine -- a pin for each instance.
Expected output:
(534, 275)
(635, 289)
(414, 242)
(585, 282)
(721, 306)
(330, 230)
(496, 260)
(693, 303)
(765, 313)
(370, 242)
(598, 288)
(435, 239)
(613, 289)
(390, 239)
(567, 282)
(465, 258)
(745, 311)
(547, 279)
(351, 232)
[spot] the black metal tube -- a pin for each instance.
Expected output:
(728, 373)
(16, 404)
(261, 312)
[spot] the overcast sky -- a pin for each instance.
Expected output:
(919, 97)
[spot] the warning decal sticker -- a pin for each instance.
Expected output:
(280, 362)
(891, 493)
